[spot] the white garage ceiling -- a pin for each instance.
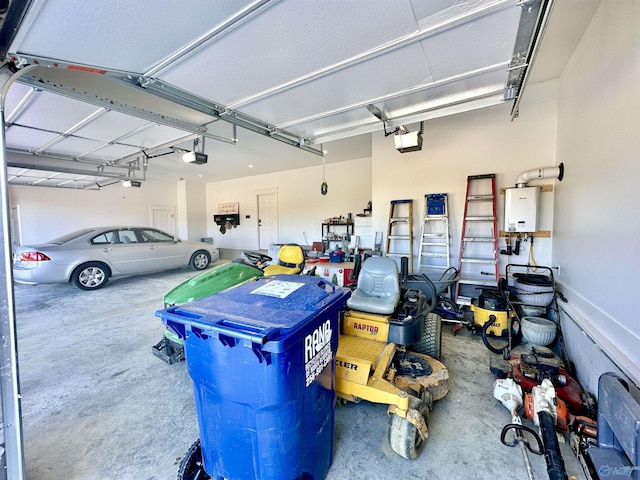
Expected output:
(110, 90)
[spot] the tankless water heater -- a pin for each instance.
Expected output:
(521, 209)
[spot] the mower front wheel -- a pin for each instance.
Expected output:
(431, 336)
(404, 437)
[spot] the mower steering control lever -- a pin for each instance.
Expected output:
(519, 437)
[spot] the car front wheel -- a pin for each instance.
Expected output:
(200, 260)
(90, 276)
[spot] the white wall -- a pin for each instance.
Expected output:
(471, 143)
(301, 206)
(597, 226)
(192, 210)
(46, 213)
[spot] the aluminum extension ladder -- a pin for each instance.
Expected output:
(400, 231)
(434, 243)
(478, 260)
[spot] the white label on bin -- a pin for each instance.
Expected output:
(278, 288)
(317, 351)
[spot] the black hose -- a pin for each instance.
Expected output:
(515, 337)
(552, 455)
(485, 340)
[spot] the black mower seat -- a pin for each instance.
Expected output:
(378, 289)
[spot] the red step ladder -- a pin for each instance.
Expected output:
(478, 260)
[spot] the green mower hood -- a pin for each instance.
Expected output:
(211, 281)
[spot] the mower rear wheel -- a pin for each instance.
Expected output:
(431, 336)
(191, 467)
(404, 437)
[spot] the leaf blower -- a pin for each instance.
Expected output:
(509, 393)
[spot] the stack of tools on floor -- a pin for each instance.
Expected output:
(534, 372)
(545, 385)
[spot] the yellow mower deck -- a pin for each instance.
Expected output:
(364, 370)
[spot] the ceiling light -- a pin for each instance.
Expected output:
(196, 158)
(131, 183)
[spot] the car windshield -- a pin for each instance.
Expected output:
(70, 236)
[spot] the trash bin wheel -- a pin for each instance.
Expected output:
(404, 437)
(431, 336)
(191, 467)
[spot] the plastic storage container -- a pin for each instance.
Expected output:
(261, 359)
(336, 257)
(536, 290)
(538, 331)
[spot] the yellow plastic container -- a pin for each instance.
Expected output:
(500, 326)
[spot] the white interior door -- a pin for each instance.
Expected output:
(268, 219)
(164, 218)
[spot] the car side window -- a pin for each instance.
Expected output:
(127, 236)
(150, 235)
(103, 239)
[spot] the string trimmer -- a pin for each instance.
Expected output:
(514, 434)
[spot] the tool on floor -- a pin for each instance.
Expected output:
(545, 406)
(530, 369)
(509, 393)
(478, 259)
(400, 231)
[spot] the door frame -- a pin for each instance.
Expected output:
(266, 191)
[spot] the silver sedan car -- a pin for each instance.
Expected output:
(89, 257)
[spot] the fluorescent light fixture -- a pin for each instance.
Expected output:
(131, 183)
(194, 157)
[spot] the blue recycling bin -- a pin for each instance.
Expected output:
(261, 359)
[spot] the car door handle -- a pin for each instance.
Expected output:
(106, 250)
(152, 247)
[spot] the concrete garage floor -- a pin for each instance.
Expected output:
(98, 405)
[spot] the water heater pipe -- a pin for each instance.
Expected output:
(536, 173)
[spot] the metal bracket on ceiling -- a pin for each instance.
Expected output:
(533, 22)
(198, 144)
(380, 115)
(145, 81)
